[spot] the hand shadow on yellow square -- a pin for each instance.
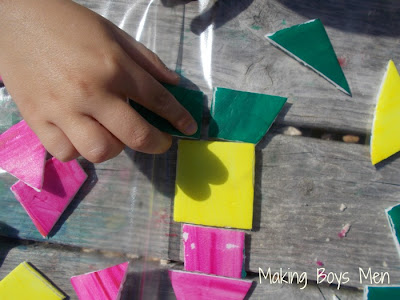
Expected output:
(199, 169)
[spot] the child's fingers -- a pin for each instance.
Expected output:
(131, 129)
(56, 142)
(142, 88)
(91, 139)
(145, 58)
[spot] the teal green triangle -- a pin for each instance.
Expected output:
(393, 215)
(242, 116)
(382, 292)
(310, 43)
(191, 100)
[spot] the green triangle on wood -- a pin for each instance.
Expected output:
(189, 99)
(309, 43)
(242, 116)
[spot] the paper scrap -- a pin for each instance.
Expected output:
(61, 182)
(344, 231)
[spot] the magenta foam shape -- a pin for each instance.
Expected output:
(213, 250)
(61, 182)
(195, 286)
(104, 284)
(22, 155)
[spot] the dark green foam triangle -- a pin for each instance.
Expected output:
(309, 43)
(382, 292)
(242, 116)
(191, 100)
(393, 215)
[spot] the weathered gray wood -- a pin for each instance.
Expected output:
(364, 33)
(300, 184)
(146, 279)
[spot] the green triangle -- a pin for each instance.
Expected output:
(381, 292)
(189, 99)
(242, 116)
(309, 43)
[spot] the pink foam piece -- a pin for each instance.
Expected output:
(22, 155)
(195, 286)
(213, 250)
(103, 284)
(61, 182)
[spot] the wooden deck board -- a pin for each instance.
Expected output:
(126, 204)
(300, 184)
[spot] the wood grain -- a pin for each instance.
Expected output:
(125, 206)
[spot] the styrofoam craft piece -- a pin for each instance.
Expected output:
(61, 182)
(24, 282)
(309, 43)
(22, 155)
(385, 139)
(215, 184)
(213, 250)
(103, 284)
(196, 286)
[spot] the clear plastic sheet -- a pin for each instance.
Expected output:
(126, 204)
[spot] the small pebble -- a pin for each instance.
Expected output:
(350, 138)
(290, 130)
(342, 207)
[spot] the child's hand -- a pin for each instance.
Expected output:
(70, 72)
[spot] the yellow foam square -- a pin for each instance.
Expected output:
(24, 282)
(385, 139)
(215, 184)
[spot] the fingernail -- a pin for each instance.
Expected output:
(191, 128)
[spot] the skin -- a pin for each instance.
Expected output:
(70, 72)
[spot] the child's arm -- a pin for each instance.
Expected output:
(70, 72)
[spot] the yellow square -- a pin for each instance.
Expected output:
(215, 184)
(24, 282)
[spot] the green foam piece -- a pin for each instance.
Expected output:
(393, 215)
(382, 292)
(242, 116)
(310, 44)
(191, 100)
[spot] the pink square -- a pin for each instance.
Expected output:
(22, 155)
(104, 284)
(213, 250)
(196, 286)
(61, 182)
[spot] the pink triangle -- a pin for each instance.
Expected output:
(103, 284)
(196, 286)
(61, 182)
(22, 155)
